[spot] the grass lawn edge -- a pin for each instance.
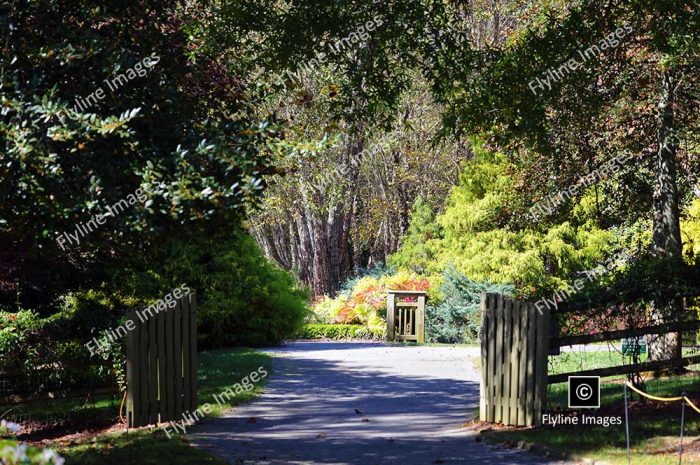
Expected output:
(149, 445)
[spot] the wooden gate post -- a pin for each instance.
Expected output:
(420, 319)
(390, 299)
(484, 398)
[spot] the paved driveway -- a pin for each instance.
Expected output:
(359, 403)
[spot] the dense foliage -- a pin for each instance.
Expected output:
(47, 354)
(245, 300)
(451, 314)
(473, 236)
(364, 300)
(113, 110)
(128, 156)
(456, 316)
(341, 201)
(472, 244)
(420, 142)
(628, 94)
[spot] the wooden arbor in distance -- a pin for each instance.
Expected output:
(405, 316)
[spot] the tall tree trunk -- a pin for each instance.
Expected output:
(294, 246)
(667, 233)
(344, 246)
(333, 233)
(305, 246)
(356, 243)
(321, 269)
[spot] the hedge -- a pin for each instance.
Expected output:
(325, 331)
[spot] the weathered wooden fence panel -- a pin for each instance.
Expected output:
(514, 350)
(161, 363)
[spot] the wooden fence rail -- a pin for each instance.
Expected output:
(677, 326)
(514, 348)
(627, 369)
(619, 334)
(161, 366)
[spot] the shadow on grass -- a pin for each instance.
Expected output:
(218, 370)
(143, 447)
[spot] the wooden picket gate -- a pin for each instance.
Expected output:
(161, 363)
(514, 351)
(405, 316)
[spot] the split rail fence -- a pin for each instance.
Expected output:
(623, 333)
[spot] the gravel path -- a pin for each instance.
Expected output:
(360, 403)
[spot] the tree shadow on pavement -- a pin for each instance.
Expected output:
(323, 412)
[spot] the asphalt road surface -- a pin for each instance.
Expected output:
(360, 403)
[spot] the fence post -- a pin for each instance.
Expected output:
(484, 341)
(420, 319)
(390, 317)
(193, 351)
(530, 365)
(491, 360)
(500, 347)
(132, 368)
(514, 362)
(541, 362)
(522, 368)
(507, 355)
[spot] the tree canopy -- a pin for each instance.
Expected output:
(117, 128)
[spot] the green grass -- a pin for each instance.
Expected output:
(146, 447)
(77, 410)
(217, 371)
(612, 390)
(654, 426)
(653, 439)
(577, 361)
(220, 369)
